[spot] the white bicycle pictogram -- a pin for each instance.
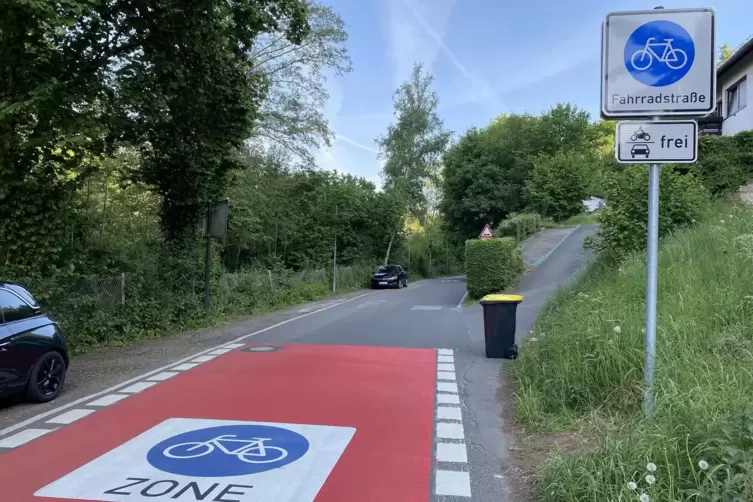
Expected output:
(253, 451)
(642, 59)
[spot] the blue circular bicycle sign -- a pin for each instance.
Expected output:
(230, 450)
(659, 53)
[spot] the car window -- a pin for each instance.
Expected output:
(23, 293)
(13, 308)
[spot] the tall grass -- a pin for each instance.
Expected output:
(583, 369)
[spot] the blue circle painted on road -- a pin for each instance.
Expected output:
(659, 53)
(229, 450)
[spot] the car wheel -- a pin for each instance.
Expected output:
(47, 378)
(405, 283)
(399, 284)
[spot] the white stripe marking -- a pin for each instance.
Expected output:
(450, 387)
(460, 303)
(108, 400)
(117, 387)
(161, 377)
(219, 352)
(447, 430)
(70, 416)
(446, 367)
(449, 413)
(446, 375)
(444, 352)
(23, 437)
(202, 359)
(185, 366)
(138, 387)
(234, 345)
(445, 359)
(448, 399)
(453, 483)
(452, 452)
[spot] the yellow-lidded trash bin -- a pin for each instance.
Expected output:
(499, 325)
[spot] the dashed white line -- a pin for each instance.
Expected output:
(108, 400)
(202, 359)
(70, 416)
(138, 387)
(446, 375)
(452, 452)
(448, 399)
(450, 387)
(453, 483)
(445, 359)
(445, 367)
(234, 345)
(447, 430)
(185, 366)
(219, 352)
(23, 437)
(445, 352)
(449, 413)
(161, 377)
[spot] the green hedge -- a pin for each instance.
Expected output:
(520, 226)
(724, 162)
(492, 265)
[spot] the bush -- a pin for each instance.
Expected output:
(559, 184)
(724, 162)
(583, 370)
(682, 200)
(492, 265)
(520, 226)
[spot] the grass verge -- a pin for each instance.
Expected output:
(581, 372)
(581, 219)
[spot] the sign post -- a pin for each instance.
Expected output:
(657, 64)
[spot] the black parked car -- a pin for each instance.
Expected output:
(33, 353)
(389, 276)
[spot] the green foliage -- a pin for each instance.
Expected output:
(559, 184)
(724, 162)
(520, 226)
(589, 336)
(623, 220)
(492, 265)
(486, 171)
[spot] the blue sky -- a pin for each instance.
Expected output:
(487, 56)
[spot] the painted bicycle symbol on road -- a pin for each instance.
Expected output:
(228, 450)
(252, 451)
(673, 57)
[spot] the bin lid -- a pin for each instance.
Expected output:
(502, 299)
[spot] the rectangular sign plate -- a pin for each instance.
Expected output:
(659, 142)
(658, 62)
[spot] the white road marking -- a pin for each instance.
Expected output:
(138, 387)
(446, 375)
(453, 483)
(448, 399)
(452, 452)
(447, 430)
(161, 377)
(445, 367)
(450, 387)
(108, 400)
(117, 387)
(445, 359)
(444, 352)
(202, 359)
(185, 366)
(234, 345)
(219, 352)
(23, 437)
(427, 307)
(70, 416)
(449, 413)
(460, 303)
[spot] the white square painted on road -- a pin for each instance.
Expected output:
(200, 459)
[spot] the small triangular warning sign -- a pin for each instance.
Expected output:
(486, 233)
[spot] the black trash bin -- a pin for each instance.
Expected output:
(499, 325)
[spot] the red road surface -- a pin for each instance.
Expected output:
(387, 394)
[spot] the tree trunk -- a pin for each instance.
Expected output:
(389, 248)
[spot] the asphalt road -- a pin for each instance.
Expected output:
(427, 314)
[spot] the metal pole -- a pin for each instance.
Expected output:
(652, 258)
(334, 259)
(207, 259)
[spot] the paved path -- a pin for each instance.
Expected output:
(376, 396)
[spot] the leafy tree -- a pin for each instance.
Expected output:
(189, 95)
(291, 116)
(559, 184)
(413, 146)
(724, 53)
